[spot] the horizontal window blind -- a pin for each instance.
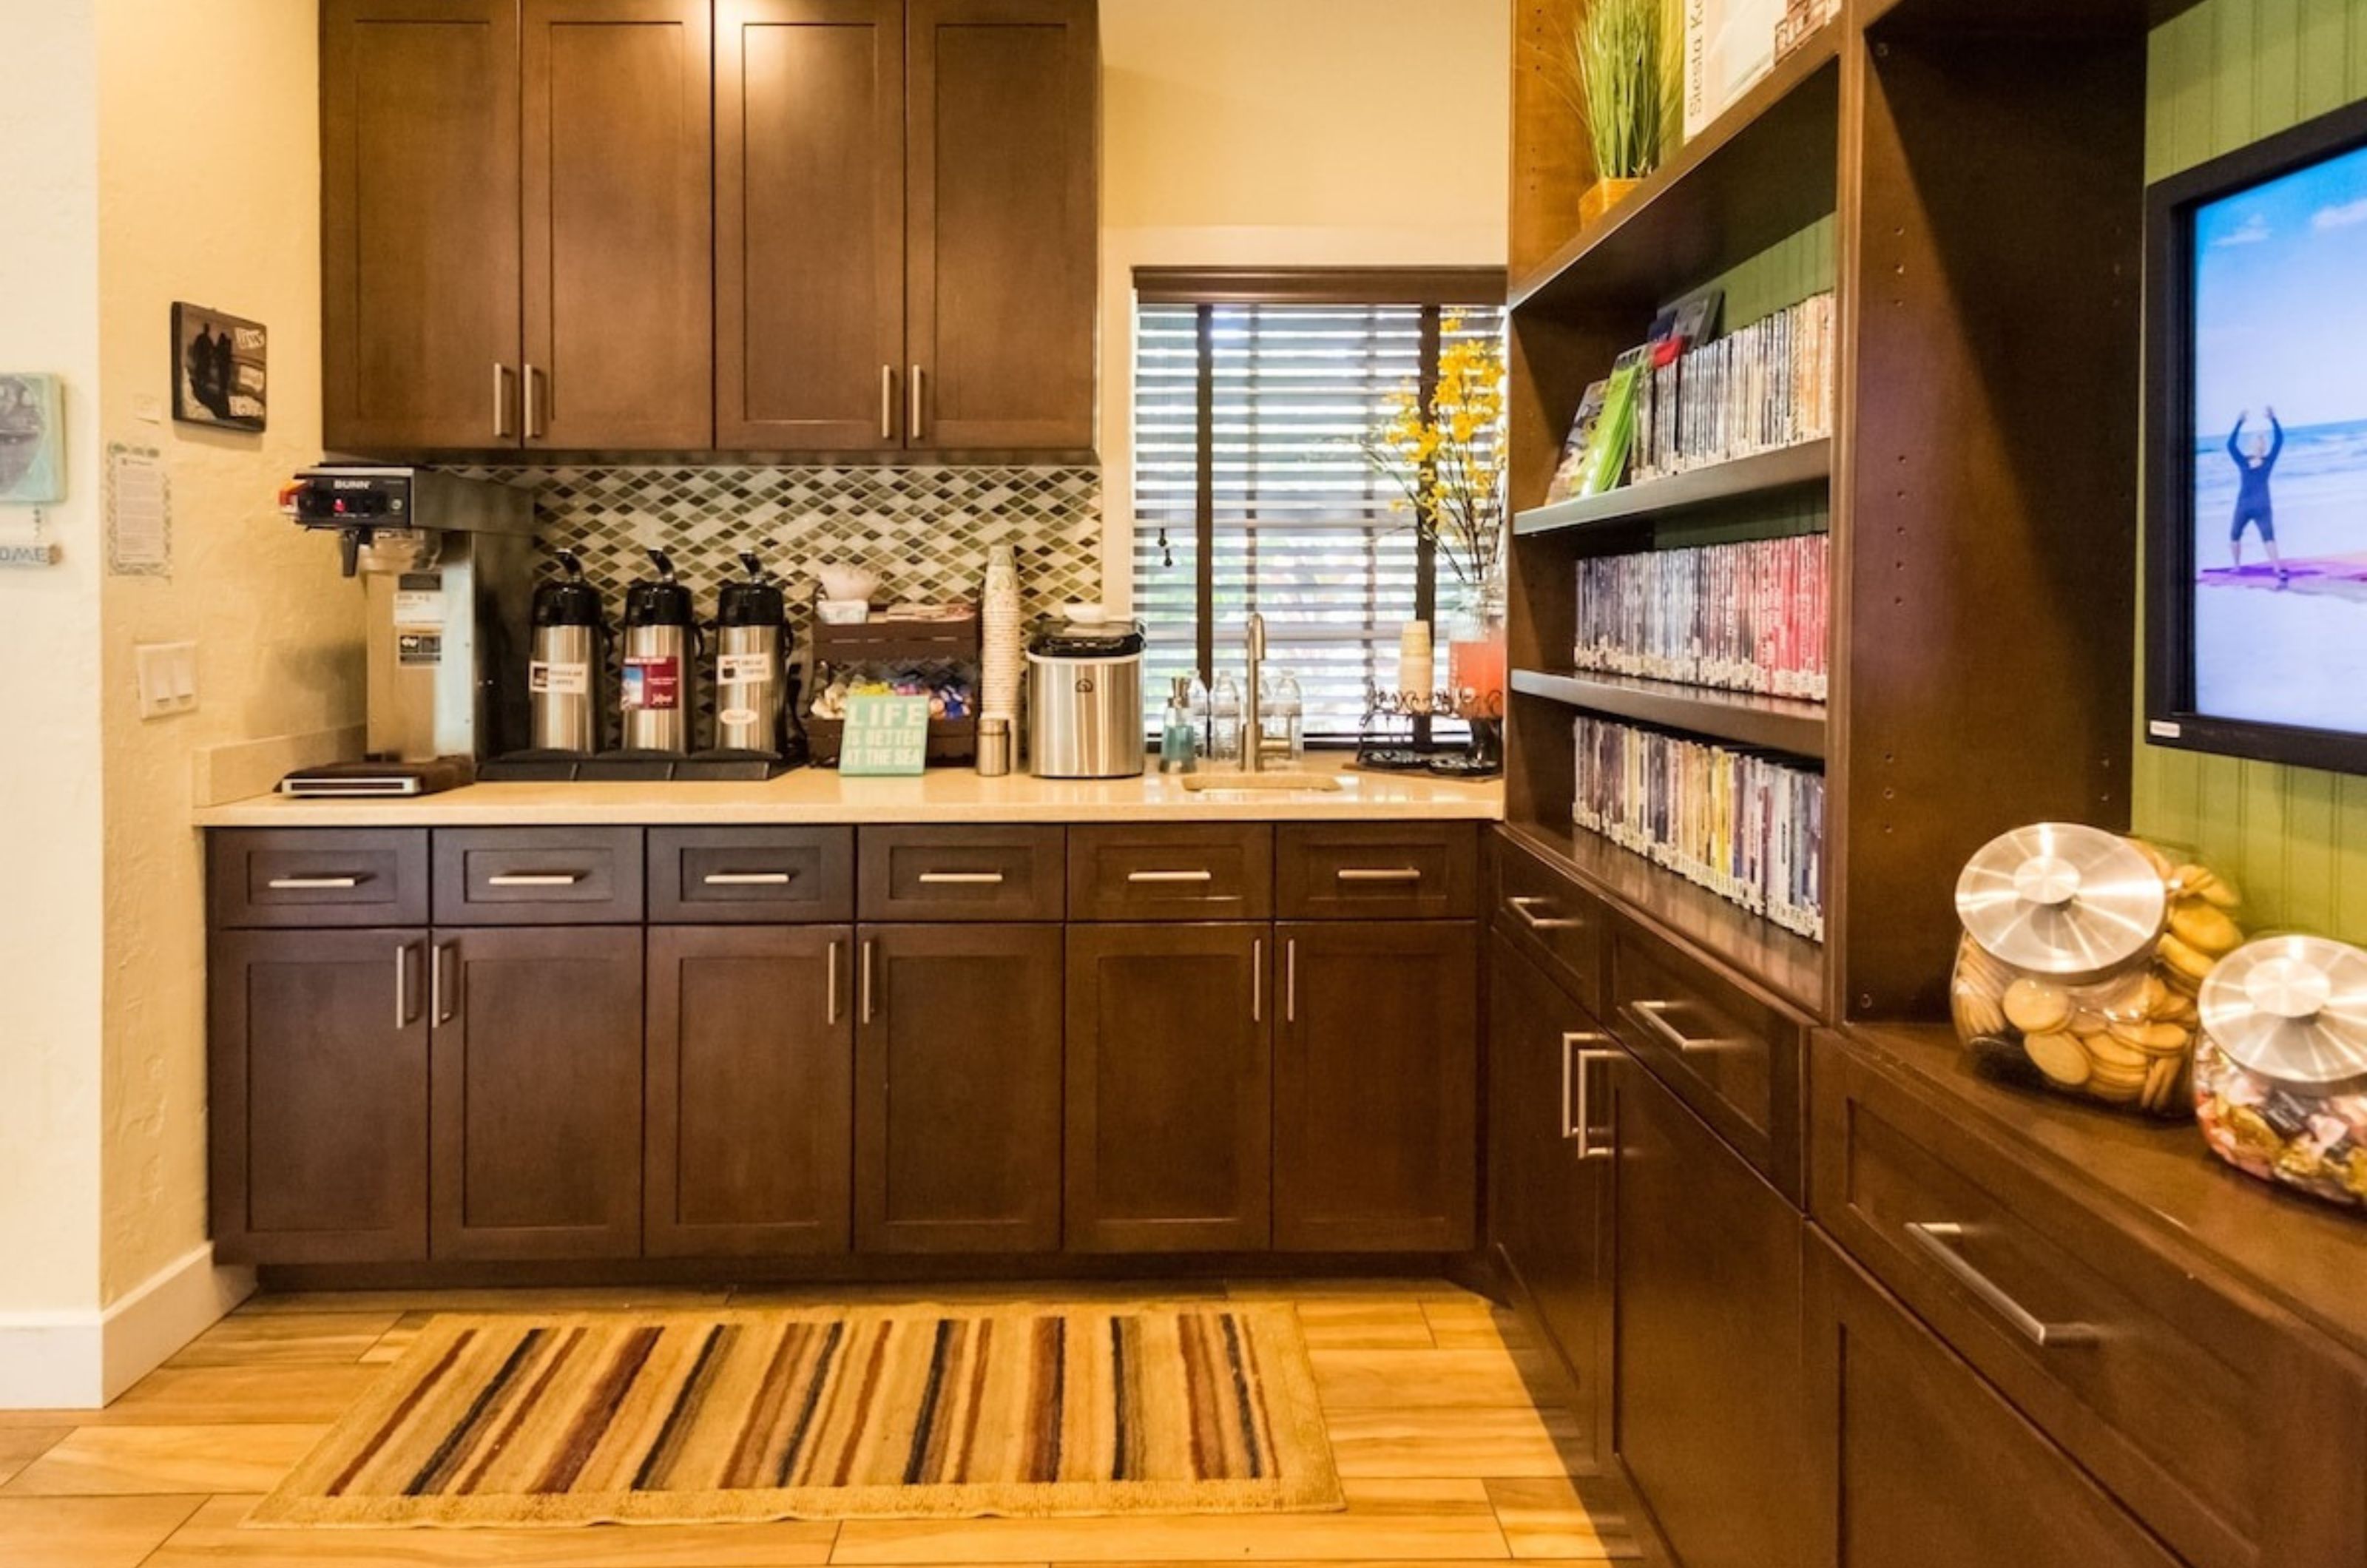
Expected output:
(1247, 423)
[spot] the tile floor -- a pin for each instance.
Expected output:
(1445, 1454)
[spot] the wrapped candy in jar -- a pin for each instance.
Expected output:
(2281, 1069)
(2081, 956)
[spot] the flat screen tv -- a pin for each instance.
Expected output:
(2256, 536)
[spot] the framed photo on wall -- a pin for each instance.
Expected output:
(219, 369)
(32, 440)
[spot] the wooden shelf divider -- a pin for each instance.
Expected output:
(1765, 473)
(1775, 724)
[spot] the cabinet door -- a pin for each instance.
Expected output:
(1004, 260)
(1916, 1462)
(957, 1088)
(1548, 1173)
(537, 1092)
(419, 224)
(1376, 1145)
(809, 225)
(751, 1090)
(1170, 1105)
(619, 207)
(1706, 1378)
(318, 1061)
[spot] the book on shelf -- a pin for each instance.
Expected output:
(1740, 617)
(1760, 389)
(1802, 18)
(1602, 461)
(1574, 451)
(1729, 45)
(1749, 827)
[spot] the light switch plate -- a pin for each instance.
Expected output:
(169, 678)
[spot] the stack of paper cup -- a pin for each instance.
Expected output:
(1002, 658)
(1417, 665)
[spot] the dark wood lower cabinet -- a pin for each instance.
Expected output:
(1170, 1111)
(319, 1096)
(1375, 1087)
(1914, 1462)
(537, 1071)
(1548, 1176)
(1706, 1346)
(957, 1088)
(751, 1090)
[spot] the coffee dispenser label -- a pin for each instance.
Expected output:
(419, 607)
(414, 649)
(569, 677)
(737, 669)
(653, 684)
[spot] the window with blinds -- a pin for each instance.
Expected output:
(1250, 491)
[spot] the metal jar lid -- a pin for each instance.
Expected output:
(2062, 899)
(2292, 1009)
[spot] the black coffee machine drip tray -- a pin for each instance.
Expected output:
(636, 767)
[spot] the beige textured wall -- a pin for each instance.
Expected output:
(50, 775)
(210, 182)
(1289, 133)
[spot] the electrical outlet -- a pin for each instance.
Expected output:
(169, 678)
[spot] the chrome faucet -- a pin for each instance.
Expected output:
(1252, 713)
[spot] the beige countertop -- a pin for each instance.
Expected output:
(942, 795)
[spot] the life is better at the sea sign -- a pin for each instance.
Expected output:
(885, 737)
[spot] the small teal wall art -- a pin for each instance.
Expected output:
(32, 440)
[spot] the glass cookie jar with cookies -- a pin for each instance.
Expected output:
(2081, 960)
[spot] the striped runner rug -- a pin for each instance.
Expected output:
(907, 1412)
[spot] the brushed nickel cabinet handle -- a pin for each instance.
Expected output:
(1578, 1122)
(866, 1002)
(533, 404)
(502, 374)
(1525, 907)
(1257, 979)
(832, 963)
(1290, 981)
(1937, 1239)
(437, 997)
(887, 402)
(1377, 873)
(1653, 1016)
(961, 878)
(402, 1013)
(1156, 876)
(312, 883)
(915, 423)
(535, 879)
(746, 879)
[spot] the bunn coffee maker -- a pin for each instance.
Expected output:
(446, 567)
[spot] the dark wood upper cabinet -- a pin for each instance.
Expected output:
(319, 1096)
(1003, 263)
(957, 1088)
(618, 203)
(751, 1090)
(1375, 1087)
(419, 223)
(809, 225)
(536, 1123)
(1170, 1105)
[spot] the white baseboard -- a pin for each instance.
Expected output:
(79, 1360)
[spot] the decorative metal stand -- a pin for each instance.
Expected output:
(1396, 735)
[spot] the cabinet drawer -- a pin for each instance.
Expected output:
(1379, 871)
(1182, 871)
(317, 877)
(533, 877)
(1552, 919)
(713, 876)
(2198, 1408)
(960, 873)
(1734, 1059)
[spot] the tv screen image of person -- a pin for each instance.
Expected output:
(2279, 514)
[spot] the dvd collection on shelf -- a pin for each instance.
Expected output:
(1763, 388)
(1745, 617)
(1742, 824)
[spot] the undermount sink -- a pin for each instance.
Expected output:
(1311, 783)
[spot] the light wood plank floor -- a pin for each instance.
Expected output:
(1444, 1455)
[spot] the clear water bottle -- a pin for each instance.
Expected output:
(1225, 722)
(1282, 714)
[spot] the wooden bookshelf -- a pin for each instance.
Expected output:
(1763, 474)
(1773, 724)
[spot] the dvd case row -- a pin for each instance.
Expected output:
(1767, 386)
(1746, 617)
(1740, 823)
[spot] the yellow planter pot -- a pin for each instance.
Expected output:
(1601, 197)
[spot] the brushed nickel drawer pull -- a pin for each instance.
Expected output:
(1377, 873)
(961, 879)
(1577, 1125)
(1171, 876)
(535, 879)
(1936, 1237)
(746, 879)
(1525, 905)
(314, 884)
(1651, 1016)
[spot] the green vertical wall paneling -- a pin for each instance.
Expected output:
(2225, 73)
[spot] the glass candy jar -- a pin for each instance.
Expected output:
(2280, 1068)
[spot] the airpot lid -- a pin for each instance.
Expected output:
(2062, 899)
(2291, 1008)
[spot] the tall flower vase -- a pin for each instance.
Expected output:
(1476, 673)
